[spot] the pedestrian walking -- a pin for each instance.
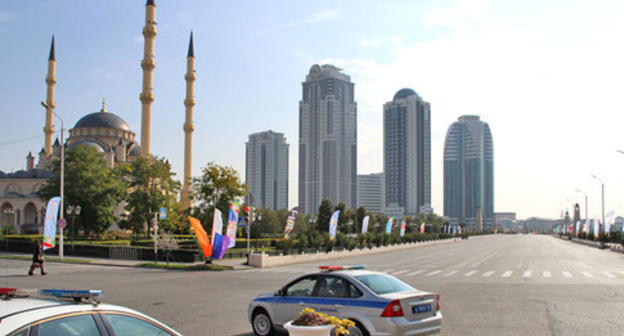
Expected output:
(37, 259)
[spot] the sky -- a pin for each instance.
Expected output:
(546, 75)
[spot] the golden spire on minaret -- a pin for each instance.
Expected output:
(48, 129)
(148, 64)
(189, 102)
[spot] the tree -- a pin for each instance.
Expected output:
(151, 186)
(217, 186)
(324, 215)
(91, 184)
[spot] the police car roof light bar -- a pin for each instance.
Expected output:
(341, 268)
(57, 293)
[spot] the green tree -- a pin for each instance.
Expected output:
(151, 185)
(217, 186)
(324, 215)
(91, 184)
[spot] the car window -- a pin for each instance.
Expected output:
(353, 291)
(303, 287)
(78, 325)
(125, 325)
(384, 284)
(331, 286)
(23, 332)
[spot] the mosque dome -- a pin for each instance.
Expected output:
(89, 143)
(104, 120)
(403, 93)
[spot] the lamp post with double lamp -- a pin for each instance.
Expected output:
(603, 198)
(44, 104)
(73, 211)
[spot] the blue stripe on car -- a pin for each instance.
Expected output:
(326, 301)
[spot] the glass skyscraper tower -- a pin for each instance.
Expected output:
(267, 170)
(327, 139)
(469, 174)
(407, 154)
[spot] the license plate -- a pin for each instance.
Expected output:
(421, 309)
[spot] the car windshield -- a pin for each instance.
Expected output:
(384, 284)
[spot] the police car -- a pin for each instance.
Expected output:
(378, 303)
(52, 312)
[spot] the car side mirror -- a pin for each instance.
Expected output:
(279, 292)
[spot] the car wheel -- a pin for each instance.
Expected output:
(358, 330)
(261, 323)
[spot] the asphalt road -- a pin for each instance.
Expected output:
(494, 285)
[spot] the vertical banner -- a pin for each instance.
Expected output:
(290, 221)
(389, 225)
(365, 224)
(422, 228)
(608, 222)
(578, 228)
(232, 222)
(586, 226)
(201, 238)
(402, 232)
(596, 228)
(49, 230)
(333, 225)
(217, 225)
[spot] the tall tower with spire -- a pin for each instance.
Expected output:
(48, 129)
(189, 102)
(148, 64)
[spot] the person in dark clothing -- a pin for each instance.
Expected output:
(37, 259)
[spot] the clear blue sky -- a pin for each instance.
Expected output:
(548, 77)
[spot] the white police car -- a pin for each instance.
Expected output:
(51, 312)
(378, 303)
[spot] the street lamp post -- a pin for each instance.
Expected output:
(73, 211)
(603, 198)
(584, 193)
(44, 104)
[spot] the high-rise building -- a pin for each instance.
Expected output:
(407, 154)
(327, 139)
(267, 170)
(469, 173)
(370, 192)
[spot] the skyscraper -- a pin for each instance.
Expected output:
(407, 154)
(267, 170)
(327, 139)
(469, 173)
(370, 192)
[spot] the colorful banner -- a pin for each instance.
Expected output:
(290, 221)
(49, 229)
(402, 232)
(609, 222)
(232, 223)
(422, 228)
(333, 225)
(365, 224)
(220, 242)
(389, 225)
(201, 237)
(217, 225)
(596, 228)
(578, 228)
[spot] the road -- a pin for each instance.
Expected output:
(493, 285)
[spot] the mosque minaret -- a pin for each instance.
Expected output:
(48, 129)
(189, 102)
(148, 64)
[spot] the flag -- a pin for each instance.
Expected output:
(333, 225)
(422, 228)
(596, 228)
(220, 242)
(608, 222)
(365, 224)
(201, 238)
(586, 226)
(232, 222)
(389, 225)
(578, 228)
(217, 225)
(402, 232)
(290, 221)
(49, 229)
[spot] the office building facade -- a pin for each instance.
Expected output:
(407, 154)
(370, 192)
(267, 170)
(469, 174)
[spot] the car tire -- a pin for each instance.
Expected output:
(261, 323)
(358, 330)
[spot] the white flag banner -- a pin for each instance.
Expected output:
(596, 228)
(49, 228)
(333, 225)
(232, 223)
(365, 224)
(609, 222)
(217, 225)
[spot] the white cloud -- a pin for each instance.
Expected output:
(323, 16)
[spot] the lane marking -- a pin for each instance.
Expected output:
(546, 274)
(567, 274)
(587, 274)
(417, 272)
(450, 273)
(471, 273)
(608, 275)
(388, 271)
(507, 274)
(433, 273)
(487, 274)
(399, 272)
(526, 274)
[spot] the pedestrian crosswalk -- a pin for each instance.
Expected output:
(468, 273)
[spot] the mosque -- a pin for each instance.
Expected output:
(22, 211)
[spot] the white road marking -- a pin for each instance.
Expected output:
(507, 274)
(587, 274)
(566, 274)
(399, 272)
(417, 272)
(450, 273)
(433, 273)
(526, 274)
(471, 273)
(487, 274)
(546, 274)
(608, 275)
